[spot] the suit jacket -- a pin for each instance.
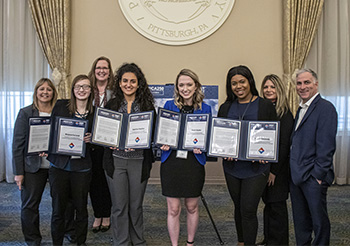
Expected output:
(60, 161)
(313, 143)
(206, 109)
(21, 162)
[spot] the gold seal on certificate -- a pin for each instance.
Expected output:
(39, 135)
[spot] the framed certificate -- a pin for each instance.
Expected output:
(224, 138)
(168, 128)
(39, 135)
(139, 130)
(196, 131)
(262, 140)
(107, 127)
(68, 136)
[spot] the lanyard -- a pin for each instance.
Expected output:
(245, 111)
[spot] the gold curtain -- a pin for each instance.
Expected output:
(300, 22)
(52, 21)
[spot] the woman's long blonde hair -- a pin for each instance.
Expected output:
(282, 105)
(198, 95)
(52, 86)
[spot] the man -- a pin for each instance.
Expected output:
(311, 161)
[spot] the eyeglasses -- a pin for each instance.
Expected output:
(85, 87)
(101, 68)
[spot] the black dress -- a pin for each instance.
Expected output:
(182, 177)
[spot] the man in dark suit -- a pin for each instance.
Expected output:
(311, 161)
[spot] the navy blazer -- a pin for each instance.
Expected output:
(20, 161)
(313, 143)
(206, 109)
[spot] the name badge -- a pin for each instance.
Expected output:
(181, 154)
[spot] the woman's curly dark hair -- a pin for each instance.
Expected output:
(143, 97)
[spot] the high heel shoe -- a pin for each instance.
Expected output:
(105, 228)
(96, 229)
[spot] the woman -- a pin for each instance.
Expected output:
(184, 178)
(245, 180)
(128, 170)
(31, 172)
(101, 76)
(276, 229)
(70, 176)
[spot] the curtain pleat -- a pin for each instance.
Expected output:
(52, 21)
(300, 23)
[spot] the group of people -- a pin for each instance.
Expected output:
(117, 178)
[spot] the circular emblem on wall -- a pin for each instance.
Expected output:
(176, 22)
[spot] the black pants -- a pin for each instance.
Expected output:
(99, 192)
(65, 186)
(246, 194)
(276, 223)
(32, 191)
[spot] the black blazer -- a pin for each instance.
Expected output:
(279, 191)
(266, 110)
(148, 157)
(20, 161)
(60, 161)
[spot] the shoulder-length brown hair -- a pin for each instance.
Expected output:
(282, 105)
(198, 95)
(73, 100)
(52, 86)
(92, 76)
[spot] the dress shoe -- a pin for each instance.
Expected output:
(105, 228)
(96, 229)
(262, 243)
(71, 238)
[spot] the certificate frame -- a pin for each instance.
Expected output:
(64, 127)
(43, 126)
(190, 142)
(102, 114)
(134, 139)
(260, 135)
(164, 114)
(233, 127)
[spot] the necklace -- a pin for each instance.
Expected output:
(83, 115)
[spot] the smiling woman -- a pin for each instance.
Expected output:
(31, 172)
(245, 179)
(70, 177)
(128, 170)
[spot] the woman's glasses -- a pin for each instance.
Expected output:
(85, 87)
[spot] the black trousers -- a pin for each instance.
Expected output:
(66, 186)
(32, 191)
(276, 223)
(99, 192)
(246, 194)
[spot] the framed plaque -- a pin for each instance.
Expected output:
(107, 127)
(39, 135)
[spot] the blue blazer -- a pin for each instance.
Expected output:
(206, 109)
(313, 143)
